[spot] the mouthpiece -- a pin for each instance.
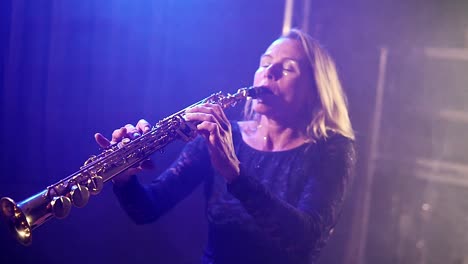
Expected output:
(256, 91)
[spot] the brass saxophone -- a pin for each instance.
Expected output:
(75, 190)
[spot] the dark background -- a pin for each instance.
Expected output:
(69, 69)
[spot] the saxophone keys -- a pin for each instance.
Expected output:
(79, 195)
(95, 184)
(124, 142)
(90, 159)
(61, 206)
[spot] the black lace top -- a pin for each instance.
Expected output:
(281, 209)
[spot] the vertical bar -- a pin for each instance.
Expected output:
(373, 154)
(306, 15)
(466, 37)
(288, 14)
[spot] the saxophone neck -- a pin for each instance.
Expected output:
(242, 94)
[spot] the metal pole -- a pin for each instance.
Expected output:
(373, 155)
(306, 15)
(288, 14)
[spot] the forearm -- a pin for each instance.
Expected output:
(136, 201)
(145, 203)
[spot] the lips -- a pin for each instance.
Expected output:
(267, 89)
(265, 98)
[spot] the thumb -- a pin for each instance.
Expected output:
(147, 164)
(102, 141)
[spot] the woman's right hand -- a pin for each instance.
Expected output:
(131, 132)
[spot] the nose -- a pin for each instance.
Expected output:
(271, 72)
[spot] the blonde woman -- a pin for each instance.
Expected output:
(275, 182)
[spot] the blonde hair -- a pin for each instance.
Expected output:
(329, 110)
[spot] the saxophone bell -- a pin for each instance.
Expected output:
(16, 221)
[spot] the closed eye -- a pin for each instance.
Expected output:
(265, 61)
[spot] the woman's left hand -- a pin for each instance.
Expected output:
(214, 125)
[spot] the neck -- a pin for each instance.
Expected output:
(273, 135)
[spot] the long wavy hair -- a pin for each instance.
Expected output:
(329, 110)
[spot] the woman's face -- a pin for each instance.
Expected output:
(283, 69)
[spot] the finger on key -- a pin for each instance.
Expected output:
(143, 126)
(132, 132)
(118, 135)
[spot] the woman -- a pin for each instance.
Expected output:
(275, 182)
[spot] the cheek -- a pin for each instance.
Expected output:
(296, 92)
(291, 89)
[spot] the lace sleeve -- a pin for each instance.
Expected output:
(145, 203)
(302, 229)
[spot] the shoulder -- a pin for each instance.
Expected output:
(338, 146)
(336, 140)
(336, 158)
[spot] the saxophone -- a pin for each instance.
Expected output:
(75, 190)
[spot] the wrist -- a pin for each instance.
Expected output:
(235, 172)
